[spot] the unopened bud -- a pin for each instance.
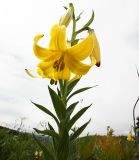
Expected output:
(65, 19)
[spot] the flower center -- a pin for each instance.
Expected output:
(59, 65)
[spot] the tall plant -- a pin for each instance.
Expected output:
(62, 64)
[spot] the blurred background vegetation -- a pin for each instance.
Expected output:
(17, 145)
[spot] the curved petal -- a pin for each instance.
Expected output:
(40, 52)
(46, 70)
(30, 74)
(96, 51)
(78, 67)
(46, 74)
(83, 49)
(58, 38)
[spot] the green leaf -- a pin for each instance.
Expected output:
(50, 127)
(48, 133)
(58, 92)
(72, 85)
(58, 104)
(44, 148)
(65, 7)
(70, 109)
(79, 16)
(79, 91)
(78, 131)
(90, 20)
(46, 111)
(76, 117)
(87, 24)
(54, 139)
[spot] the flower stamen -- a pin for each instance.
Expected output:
(52, 81)
(59, 65)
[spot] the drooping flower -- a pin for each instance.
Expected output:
(59, 61)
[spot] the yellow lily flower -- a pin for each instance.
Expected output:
(59, 60)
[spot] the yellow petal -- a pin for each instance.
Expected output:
(58, 38)
(93, 60)
(83, 49)
(76, 66)
(45, 68)
(74, 78)
(46, 72)
(64, 74)
(40, 52)
(96, 51)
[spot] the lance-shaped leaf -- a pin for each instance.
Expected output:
(54, 139)
(48, 133)
(70, 109)
(71, 86)
(90, 20)
(65, 7)
(79, 16)
(58, 104)
(50, 127)
(46, 111)
(76, 117)
(58, 92)
(79, 91)
(78, 131)
(87, 24)
(46, 152)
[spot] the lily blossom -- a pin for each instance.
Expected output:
(60, 60)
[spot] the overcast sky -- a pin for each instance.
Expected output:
(117, 27)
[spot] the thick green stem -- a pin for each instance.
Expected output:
(63, 146)
(63, 91)
(64, 143)
(73, 32)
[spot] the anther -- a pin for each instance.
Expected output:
(62, 66)
(52, 81)
(56, 63)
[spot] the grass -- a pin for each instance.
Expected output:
(21, 146)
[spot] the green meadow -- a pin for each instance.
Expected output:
(15, 145)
